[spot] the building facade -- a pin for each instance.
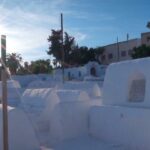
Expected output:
(145, 38)
(90, 69)
(121, 51)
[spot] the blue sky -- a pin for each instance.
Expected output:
(27, 23)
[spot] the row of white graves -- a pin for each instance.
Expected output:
(61, 113)
(25, 80)
(50, 114)
(56, 114)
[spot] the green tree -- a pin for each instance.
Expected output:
(55, 47)
(82, 55)
(23, 70)
(73, 54)
(79, 56)
(69, 46)
(40, 66)
(99, 52)
(13, 61)
(148, 25)
(141, 51)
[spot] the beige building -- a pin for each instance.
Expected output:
(119, 51)
(122, 50)
(145, 38)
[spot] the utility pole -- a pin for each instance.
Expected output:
(62, 47)
(128, 45)
(4, 93)
(118, 51)
(127, 36)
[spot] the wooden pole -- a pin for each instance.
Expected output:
(118, 51)
(62, 47)
(4, 93)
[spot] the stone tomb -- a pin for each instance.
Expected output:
(127, 84)
(21, 133)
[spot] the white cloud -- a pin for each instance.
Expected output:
(80, 36)
(26, 32)
(18, 17)
(27, 41)
(27, 29)
(77, 34)
(89, 15)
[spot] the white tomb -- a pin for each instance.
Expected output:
(72, 95)
(91, 88)
(128, 83)
(21, 133)
(34, 100)
(38, 104)
(14, 92)
(39, 84)
(68, 120)
(124, 117)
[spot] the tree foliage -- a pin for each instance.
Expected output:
(55, 47)
(40, 66)
(141, 51)
(13, 61)
(148, 25)
(69, 46)
(35, 67)
(83, 55)
(73, 54)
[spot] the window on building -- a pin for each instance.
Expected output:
(69, 75)
(148, 39)
(93, 71)
(79, 74)
(130, 52)
(103, 57)
(123, 53)
(110, 56)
